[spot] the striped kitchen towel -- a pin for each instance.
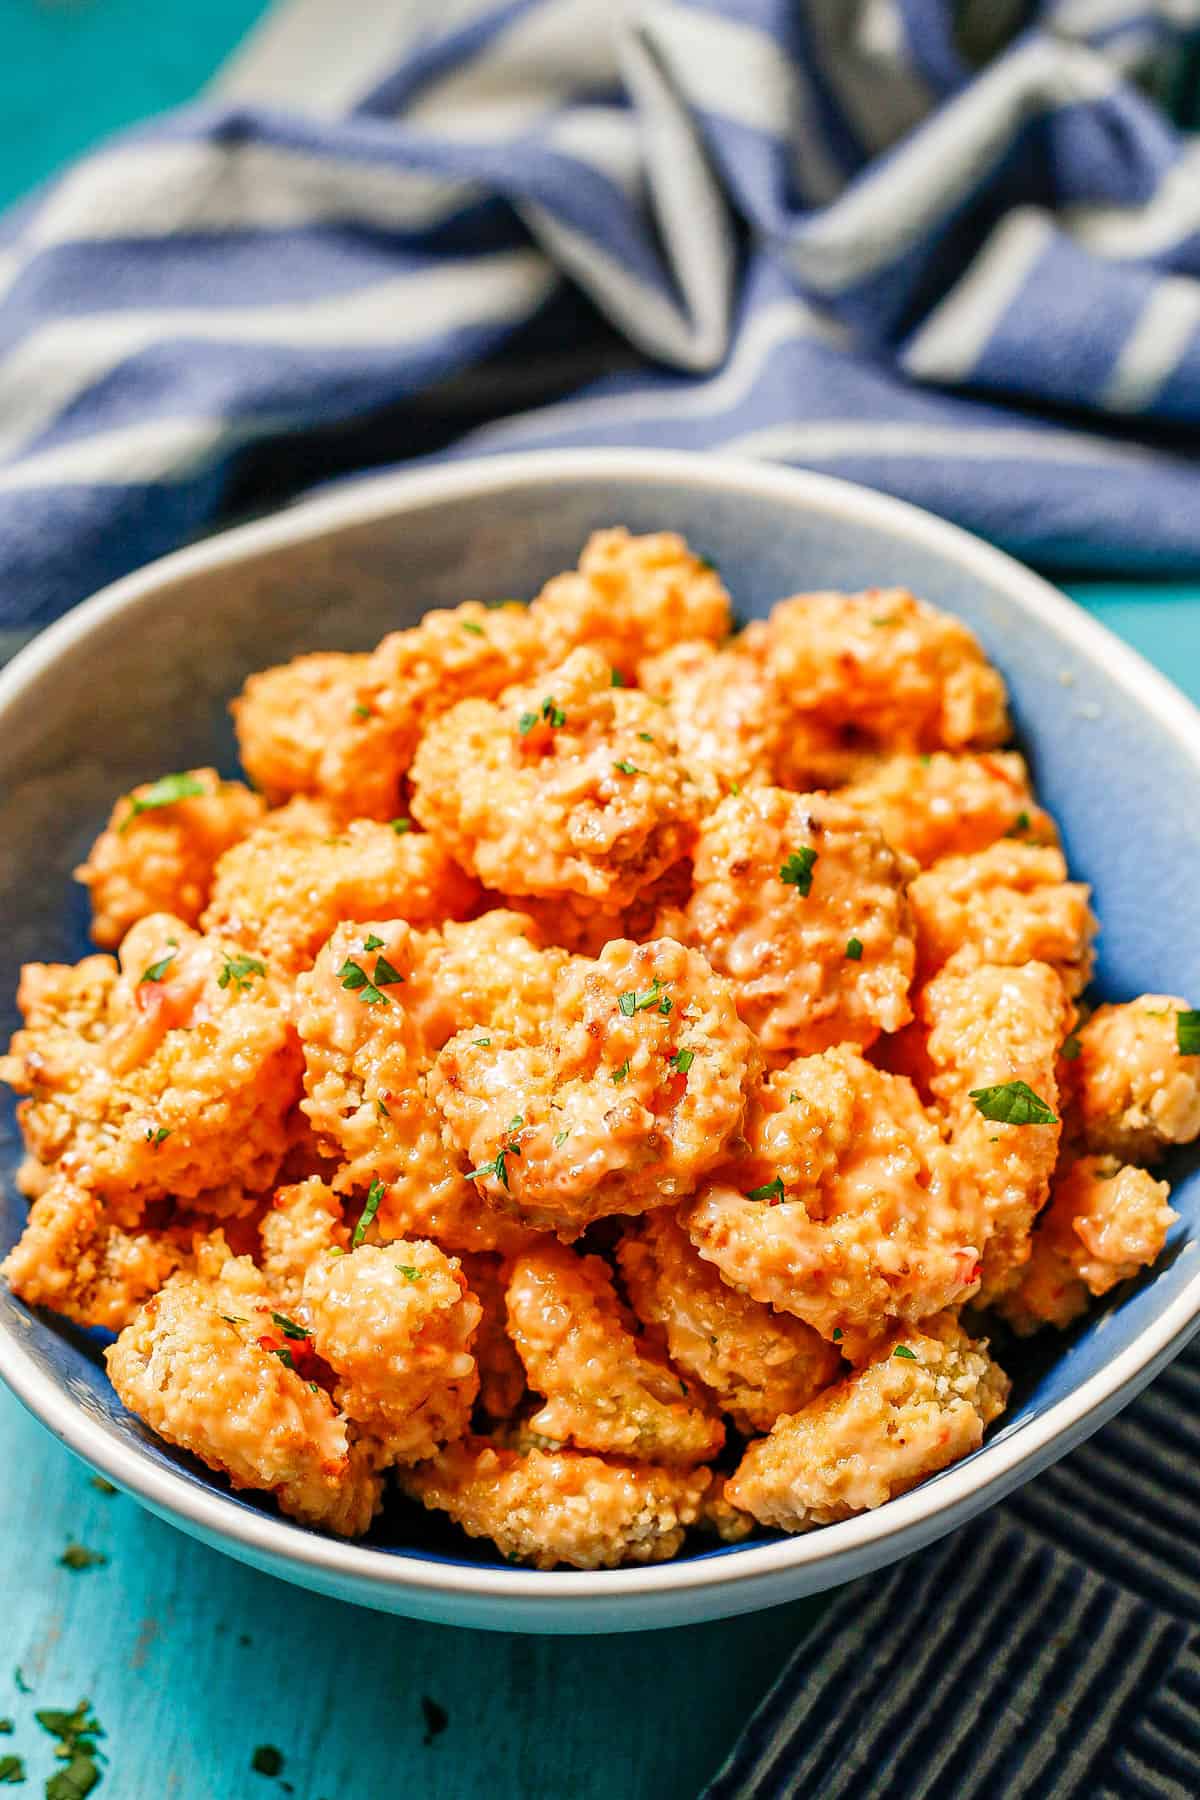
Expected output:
(1049, 1651)
(952, 250)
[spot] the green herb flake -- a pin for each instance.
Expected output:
(6, 1728)
(355, 980)
(682, 1060)
(103, 1487)
(554, 715)
(885, 619)
(289, 1327)
(156, 1137)
(925, 759)
(1013, 1103)
(793, 1096)
(164, 792)
(76, 1733)
(706, 562)
(1019, 824)
(385, 974)
(372, 942)
(267, 1760)
(361, 711)
(408, 1272)
(240, 970)
(402, 826)
(284, 1354)
(615, 678)
(854, 949)
(78, 1556)
(156, 970)
(683, 1387)
(498, 1167)
(631, 1001)
(233, 1319)
(797, 871)
(837, 1334)
(481, 1043)
(625, 767)
(904, 1353)
(375, 1194)
(526, 723)
(1187, 1033)
(646, 737)
(12, 1770)
(470, 625)
(770, 1190)
(560, 1138)
(381, 1109)
(516, 1122)
(1070, 1047)
(621, 1075)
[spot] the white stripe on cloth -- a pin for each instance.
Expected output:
(826, 439)
(1168, 323)
(953, 336)
(1131, 233)
(321, 55)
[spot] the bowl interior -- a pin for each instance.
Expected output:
(144, 689)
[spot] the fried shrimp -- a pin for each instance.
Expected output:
(201, 1365)
(501, 1372)
(1104, 1224)
(1012, 904)
(943, 804)
(801, 904)
(289, 882)
(547, 1508)
(630, 598)
(619, 1098)
(603, 1388)
(396, 1324)
(921, 1403)
(1136, 1088)
(180, 1082)
(848, 1210)
(727, 718)
(285, 717)
(160, 847)
(902, 673)
(988, 1028)
(303, 1223)
(72, 1258)
(565, 786)
(756, 1362)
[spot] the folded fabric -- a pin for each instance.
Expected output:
(1050, 1649)
(950, 250)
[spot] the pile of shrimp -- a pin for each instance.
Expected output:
(601, 1074)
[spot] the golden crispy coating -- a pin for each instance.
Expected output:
(921, 1403)
(488, 971)
(184, 1084)
(281, 891)
(73, 1259)
(304, 1222)
(630, 598)
(801, 904)
(903, 673)
(757, 1362)
(1104, 1223)
(621, 1097)
(396, 1325)
(848, 1210)
(562, 1506)
(192, 1366)
(988, 1026)
(728, 720)
(604, 1389)
(286, 716)
(161, 859)
(947, 805)
(501, 1371)
(720, 1518)
(1135, 1091)
(1011, 903)
(565, 786)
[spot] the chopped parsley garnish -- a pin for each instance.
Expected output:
(381, 1109)
(706, 562)
(631, 1001)
(854, 949)
(6, 1728)
(625, 767)
(240, 970)
(233, 1319)
(1013, 1103)
(361, 711)
(526, 723)
(554, 715)
(837, 1334)
(156, 1137)
(797, 871)
(401, 826)
(78, 1556)
(481, 1043)
(616, 679)
(497, 1167)
(267, 1760)
(102, 1486)
(163, 792)
(372, 942)
(355, 978)
(925, 759)
(1019, 824)
(560, 1138)
(281, 1351)
(735, 788)
(289, 1327)
(385, 975)
(156, 970)
(622, 1074)
(76, 1733)
(646, 737)
(12, 1770)
(683, 1387)
(475, 630)
(682, 1060)
(375, 1194)
(516, 1122)
(1070, 1047)
(905, 1354)
(885, 619)
(408, 1272)
(793, 1096)
(770, 1190)
(1187, 1033)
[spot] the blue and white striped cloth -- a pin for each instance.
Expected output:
(952, 250)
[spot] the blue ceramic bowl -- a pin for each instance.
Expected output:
(136, 681)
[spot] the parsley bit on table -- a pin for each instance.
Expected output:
(12, 1770)
(1013, 1103)
(78, 1556)
(76, 1733)
(163, 792)
(797, 871)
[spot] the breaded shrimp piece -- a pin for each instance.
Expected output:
(396, 1325)
(801, 904)
(1104, 1223)
(547, 1508)
(501, 1372)
(565, 786)
(1011, 903)
(630, 598)
(304, 1222)
(621, 1097)
(183, 1085)
(720, 1517)
(72, 1258)
(949, 805)
(285, 717)
(604, 1389)
(287, 884)
(921, 1403)
(757, 1362)
(989, 1026)
(727, 717)
(192, 1367)
(1135, 1090)
(584, 929)
(901, 672)
(157, 854)
(493, 970)
(848, 1210)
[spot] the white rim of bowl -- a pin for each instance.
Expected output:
(876, 1536)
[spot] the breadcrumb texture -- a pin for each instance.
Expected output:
(74, 1260)
(921, 1403)
(1136, 1093)
(946, 804)
(1011, 903)
(632, 598)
